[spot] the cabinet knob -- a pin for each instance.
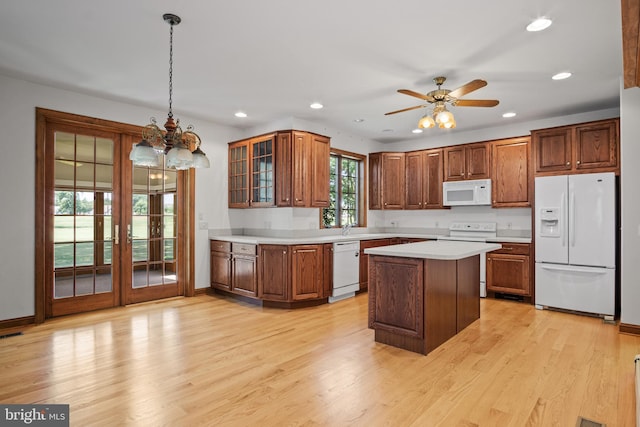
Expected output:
(578, 162)
(468, 173)
(419, 203)
(385, 203)
(568, 163)
(462, 174)
(286, 200)
(284, 252)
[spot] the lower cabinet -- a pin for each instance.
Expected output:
(509, 269)
(364, 259)
(233, 267)
(308, 272)
(274, 272)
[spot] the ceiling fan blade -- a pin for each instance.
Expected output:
(416, 94)
(476, 102)
(469, 87)
(405, 109)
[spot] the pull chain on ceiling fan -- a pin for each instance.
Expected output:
(439, 98)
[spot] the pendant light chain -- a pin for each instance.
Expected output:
(171, 71)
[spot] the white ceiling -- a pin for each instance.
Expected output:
(271, 59)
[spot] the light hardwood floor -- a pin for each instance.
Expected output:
(209, 360)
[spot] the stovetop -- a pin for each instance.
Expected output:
(471, 231)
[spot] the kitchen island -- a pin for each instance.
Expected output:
(422, 294)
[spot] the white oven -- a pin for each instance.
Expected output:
(465, 193)
(474, 232)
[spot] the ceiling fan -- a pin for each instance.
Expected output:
(439, 98)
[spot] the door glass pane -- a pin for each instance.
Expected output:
(170, 181)
(140, 250)
(82, 225)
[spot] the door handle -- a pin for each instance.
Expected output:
(128, 234)
(116, 234)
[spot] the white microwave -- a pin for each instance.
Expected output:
(466, 193)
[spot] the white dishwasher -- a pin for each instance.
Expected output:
(346, 270)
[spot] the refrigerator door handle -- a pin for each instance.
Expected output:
(572, 219)
(563, 221)
(575, 269)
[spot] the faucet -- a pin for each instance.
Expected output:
(345, 229)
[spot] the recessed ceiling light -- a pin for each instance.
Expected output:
(509, 114)
(316, 106)
(417, 131)
(539, 24)
(241, 114)
(561, 76)
(358, 120)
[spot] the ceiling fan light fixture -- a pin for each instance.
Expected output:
(316, 106)
(539, 24)
(447, 125)
(426, 122)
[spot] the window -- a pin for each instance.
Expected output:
(346, 191)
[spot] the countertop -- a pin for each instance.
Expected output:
(443, 249)
(514, 237)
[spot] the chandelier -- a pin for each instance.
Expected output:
(438, 116)
(173, 142)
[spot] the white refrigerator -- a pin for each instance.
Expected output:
(575, 243)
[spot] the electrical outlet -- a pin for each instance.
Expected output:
(509, 226)
(203, 225)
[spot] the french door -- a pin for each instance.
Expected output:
(113, 232)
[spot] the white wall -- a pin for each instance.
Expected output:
(630, 189)
(17, 180)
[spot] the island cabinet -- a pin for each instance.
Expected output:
(418, 304)
(509, 269)
(233, 267)
(467, 161)
(423, 179)
(386, 180)
(510, 172)
(302, 169)
(580, 148)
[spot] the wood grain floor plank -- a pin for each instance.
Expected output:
(210, 360)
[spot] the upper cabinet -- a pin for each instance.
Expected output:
(468, 161)
(251, 172)
(386, 180)
(423, 179)
(510, 172)
(286, 168)
(585, 147)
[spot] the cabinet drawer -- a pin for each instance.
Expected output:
(220, 246)
(244, 248)
(513, 248)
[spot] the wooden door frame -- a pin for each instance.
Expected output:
(186, 248)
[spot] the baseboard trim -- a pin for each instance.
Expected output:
(16, 323)
(629, 329)
(201, 291)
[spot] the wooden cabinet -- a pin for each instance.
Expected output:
(585, 147)
(251, 172)
(386, 180)
(220, 264)
(509, 269)
(364, 259)
(307, 271)
(285, 168)
(510, 172)
(327, 282)
(302, 169)
(423, 179)
(274, 272)
(468, 161)
(233, 267)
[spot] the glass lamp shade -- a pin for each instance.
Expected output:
(179, 157)
(426, 122)
(448, 125)
(143, 154)
(444, 117)
(200, 159)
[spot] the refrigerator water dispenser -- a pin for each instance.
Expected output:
(550, 222)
